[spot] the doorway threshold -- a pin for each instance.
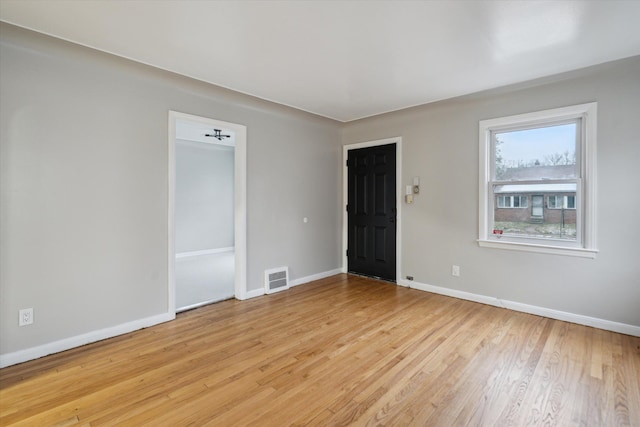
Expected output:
(201, 304)
(382, 279)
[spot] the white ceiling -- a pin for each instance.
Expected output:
(347, 59)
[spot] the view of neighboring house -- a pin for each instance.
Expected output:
(551, 205)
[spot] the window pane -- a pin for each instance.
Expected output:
(540, 153)
(532, 157)
(541, 221)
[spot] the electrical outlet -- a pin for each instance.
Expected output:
(409, 277)
(25, 317)
(455, 270)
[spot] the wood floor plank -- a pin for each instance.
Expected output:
(343, 350)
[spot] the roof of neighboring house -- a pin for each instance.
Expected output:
(536, 188)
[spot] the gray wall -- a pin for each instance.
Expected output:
(83, 202)
(204, 196)
(440, 144)
(83, 218)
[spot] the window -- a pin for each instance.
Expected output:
(512, 201)
(561, 202)
(543, 156)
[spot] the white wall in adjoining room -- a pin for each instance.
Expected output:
(204, 212)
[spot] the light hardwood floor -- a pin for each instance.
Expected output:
(340, 351)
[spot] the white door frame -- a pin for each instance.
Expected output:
(399, 198)
(240, 203)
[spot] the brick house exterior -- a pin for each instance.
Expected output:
(524, 214)
(536, 203)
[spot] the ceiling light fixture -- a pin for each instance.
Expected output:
(217, 133)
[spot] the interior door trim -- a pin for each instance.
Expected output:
(345, 194)
(240, 204)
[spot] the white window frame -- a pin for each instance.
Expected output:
(511, 202)
(585, 246)
(564, 202)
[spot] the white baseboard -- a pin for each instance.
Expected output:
(254, 293)
(204, 252)
(77, 341)
(260, 291)
(80, 340)
(313, 277)
(580, 319)
(451, 292)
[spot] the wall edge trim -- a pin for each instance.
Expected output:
(204, 252)
(607, 325)
(313, 277)
(253, 293)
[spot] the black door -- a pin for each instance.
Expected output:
(371, 211)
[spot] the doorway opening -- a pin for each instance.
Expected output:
(372, 199)
(537, 209)
(207, 211)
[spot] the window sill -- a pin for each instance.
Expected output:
(545, 249)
